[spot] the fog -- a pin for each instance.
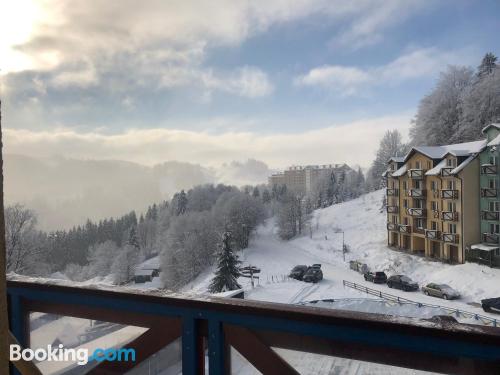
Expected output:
(65, 192)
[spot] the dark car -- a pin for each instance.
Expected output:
(402, 282)
(316, 265)
(440, 290)
(298, 272)
(376, 277)
(491, 305)
(313, 275)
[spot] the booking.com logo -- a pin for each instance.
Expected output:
(81, 356)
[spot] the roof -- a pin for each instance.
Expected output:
(458, 149)
(463, 164)
(400, 172)
(437, 169)
(495, 141)
(484, 247)
(397, 159)
(494, 125)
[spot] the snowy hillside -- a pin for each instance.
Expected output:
(364, 229)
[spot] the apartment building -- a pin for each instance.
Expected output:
(432, 200)
(487, 251)
(302, 179)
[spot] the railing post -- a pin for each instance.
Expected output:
(216, 347)
(190, 356)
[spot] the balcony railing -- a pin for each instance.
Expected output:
(488, 192)
(449, 215)
(450, 237)
(418, 230)
(490, 238)
(417, 212)
(435, 214)
(392, 209)
(392, 226)
(446, 171)
(416, 173)
(449, 194)
(416, 193)
(432, 234)
(488, 169)
(403, 228)
(490, 215)
(392, 192)
(216, 325)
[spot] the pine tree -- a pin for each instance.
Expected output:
(487, 65)
(133, 240)
(256, 192)
(226, 276)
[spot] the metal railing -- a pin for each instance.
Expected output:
(446, 171)
(450, 237)
(492, 238)
(432, 234)
(416, 173)
(392, 209)
(392, 192)
(416, 193)
(449, 193)
(449, 215)
(488, 192)
(490, 215)
(418, 212)
(488, 169)
(486, 320)
(215, 325)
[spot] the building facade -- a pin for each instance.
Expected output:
(432, 204)
(487, 251)
(302, 179)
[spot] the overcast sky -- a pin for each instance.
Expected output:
(286, 82)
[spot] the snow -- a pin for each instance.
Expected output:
(495, 141)
(400, 172)
(150, 264)
(458, 149)
(484, 247)
(496, 125)
(437, 169)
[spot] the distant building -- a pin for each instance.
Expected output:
(302, 179)
(142, 276)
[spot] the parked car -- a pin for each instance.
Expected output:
(491, 305)
(441, 291)
(298, 272)
(376, 277)
(402, 282)
(313, 275)
(358, 266)
(316, 265)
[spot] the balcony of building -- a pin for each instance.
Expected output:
(416, 193)
(416, 212)
(449, 194)
(417, 174)
(488, 169)
(489, 192)
(432, 234)
(450, 237)
(490, 215)
(491, 238)
(393, 227)
(197, 335)
(449, 215)
(392, 209)
(446, 171)
(392, 192)
(404, 228)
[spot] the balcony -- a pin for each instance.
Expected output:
(417, 174)
(392, 192)
(416, 212)
(392, 226)
(449, 216)
(446, 171)
(392, 209)
(209, 328)
(488, 192)
(416, 193)
(418, 230)
(449, 194)
(490, 215)
(450, 237)
(403, 228)
(490, 238)
(488, 169)
(432, 234)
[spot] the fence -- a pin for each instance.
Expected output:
(486, 320)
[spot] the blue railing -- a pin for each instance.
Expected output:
(254, 328)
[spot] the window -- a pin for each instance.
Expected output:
(405, 203)
(492, 183)
(394, 219)
(434, 225)
(428, 165)
(451, 162)
(451, 184)
(405, 221)
(452, 206)
(494, 228)
(434, 206)
(493, 160)
(420, 223)
(418, 203)
(418, 184)
(417, 165)
(433, 185)
(494, 206)
(452, 228)
(405, 186)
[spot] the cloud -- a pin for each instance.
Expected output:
(151, 146)
(414, 64)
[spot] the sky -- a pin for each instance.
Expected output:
(285, 82)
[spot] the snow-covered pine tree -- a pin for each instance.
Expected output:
(488, 64)
(133, 240)
(226, 276)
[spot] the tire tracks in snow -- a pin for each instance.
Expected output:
(306, 291)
